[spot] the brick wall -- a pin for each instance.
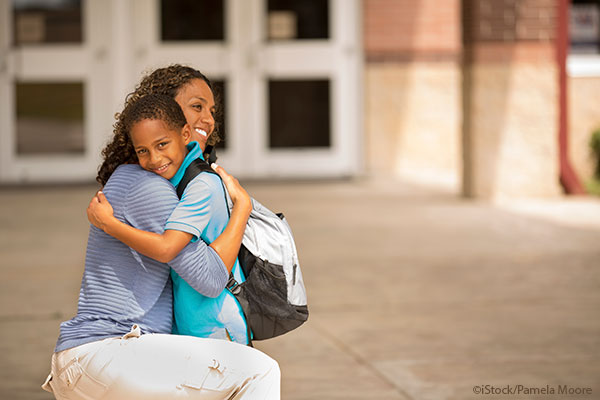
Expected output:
(510, 98)
(408, 29)
(412, 89)
(509, 30)
(509, 20)
(465, 91)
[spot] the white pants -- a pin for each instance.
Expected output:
(163, 367)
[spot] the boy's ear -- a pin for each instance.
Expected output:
(186, 133)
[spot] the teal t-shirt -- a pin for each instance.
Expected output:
(202, 212)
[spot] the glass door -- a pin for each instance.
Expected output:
(308, 84)
(287, 75)
(202, 34)
(52, 101)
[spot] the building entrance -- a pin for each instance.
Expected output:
(288, 74)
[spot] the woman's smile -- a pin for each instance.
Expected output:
(201, 132)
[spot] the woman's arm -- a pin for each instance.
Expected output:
(161, 247)
(164, 247)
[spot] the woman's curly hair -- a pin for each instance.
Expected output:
(165, 81)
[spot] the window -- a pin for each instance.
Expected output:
(299, 113)
(192, 20)
(584, 27)
(40, 21)
(49, 118)
(292, 19)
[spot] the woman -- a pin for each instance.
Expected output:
(194, 313)
(117, 345)
(193, 92)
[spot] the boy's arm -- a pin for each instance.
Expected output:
(148, 202)
(161, 247)
(164, 247)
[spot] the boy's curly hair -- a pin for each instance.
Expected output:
(166, 81)
(156, 107)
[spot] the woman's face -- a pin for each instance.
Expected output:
(198, 105)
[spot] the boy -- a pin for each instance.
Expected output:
(161, 140)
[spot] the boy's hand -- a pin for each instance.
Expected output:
(238, 194)
(99, 212)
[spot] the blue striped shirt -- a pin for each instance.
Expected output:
(121, 287)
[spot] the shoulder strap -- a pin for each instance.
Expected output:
(193, 170)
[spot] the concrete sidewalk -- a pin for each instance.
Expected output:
(413, 293)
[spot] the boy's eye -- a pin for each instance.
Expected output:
(163, 144)
(141, 151)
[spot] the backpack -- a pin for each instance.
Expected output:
(273, 297)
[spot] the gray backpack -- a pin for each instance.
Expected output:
(273, 296)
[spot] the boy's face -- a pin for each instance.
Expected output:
(159, 148)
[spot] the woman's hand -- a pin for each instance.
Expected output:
(238, 194)
(99, 212)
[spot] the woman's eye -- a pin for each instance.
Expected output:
(197, 107)
(142, 151)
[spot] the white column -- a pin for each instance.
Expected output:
(7, 126)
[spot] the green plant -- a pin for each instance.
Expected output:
(592, 186)
(595, 147)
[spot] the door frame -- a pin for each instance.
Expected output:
(110, 66)
(86, 63)
(246, 62)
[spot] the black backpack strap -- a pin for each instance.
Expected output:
(193, 170)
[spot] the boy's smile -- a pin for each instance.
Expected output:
(159, 149)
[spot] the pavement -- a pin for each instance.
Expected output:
(414, 292)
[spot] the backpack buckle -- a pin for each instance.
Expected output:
(232, 285)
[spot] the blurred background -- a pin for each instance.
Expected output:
(490, 98)
(422, 150)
